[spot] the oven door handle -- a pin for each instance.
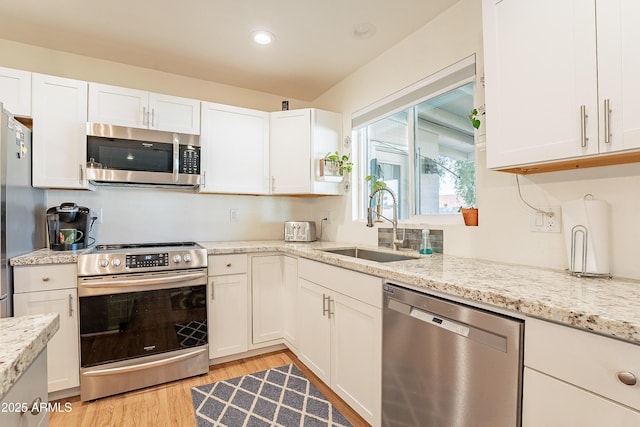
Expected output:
(149, 281)
(146, 365)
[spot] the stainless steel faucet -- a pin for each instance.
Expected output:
(396, 242)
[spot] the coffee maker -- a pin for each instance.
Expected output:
(69, 227)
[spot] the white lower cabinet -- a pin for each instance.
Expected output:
(27, 393)
(572, 377)
(340, 333)
(53, 289)
(274, 292)
(228, 312)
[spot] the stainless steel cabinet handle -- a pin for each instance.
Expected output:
(331, 307)
(325, 310)
(45, 278)
(204, 178)
(145, 116)
(607, 121)
(627, 378)
(153, 115)
(583, 126)
(70, 305)
(81, 175)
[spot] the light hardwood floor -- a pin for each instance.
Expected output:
(169, 405)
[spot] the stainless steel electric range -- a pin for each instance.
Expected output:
(143, 316)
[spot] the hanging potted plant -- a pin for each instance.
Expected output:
(377, 181)
(335, 165)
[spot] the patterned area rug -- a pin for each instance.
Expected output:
(276, 397)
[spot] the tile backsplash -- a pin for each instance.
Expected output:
(412, 238)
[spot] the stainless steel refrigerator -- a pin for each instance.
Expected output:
(22, 207)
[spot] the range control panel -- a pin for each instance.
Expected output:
(147, 260)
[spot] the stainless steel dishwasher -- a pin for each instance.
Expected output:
(447, 364)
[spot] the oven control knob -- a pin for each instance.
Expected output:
(116, 262)
(177, 259)
(187, 258)
(104, 263)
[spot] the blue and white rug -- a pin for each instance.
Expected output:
(276, 397)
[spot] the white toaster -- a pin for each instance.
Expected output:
(300, 231)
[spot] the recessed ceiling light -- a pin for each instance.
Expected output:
(262, 37)
(364, 30)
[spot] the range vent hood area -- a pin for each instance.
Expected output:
(124, 156)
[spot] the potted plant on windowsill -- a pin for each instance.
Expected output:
(466, 190)
(376, 183)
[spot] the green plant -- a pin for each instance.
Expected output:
(342, 163)
(465, 181)
(474, 116)
(376, 182)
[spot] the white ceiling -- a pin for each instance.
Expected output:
(315, 44)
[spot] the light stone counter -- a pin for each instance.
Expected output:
(610, 307)
(21, 341)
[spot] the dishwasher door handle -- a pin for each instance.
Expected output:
(439, 322)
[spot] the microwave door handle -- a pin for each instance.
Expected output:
(176, 156)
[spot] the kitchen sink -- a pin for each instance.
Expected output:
(370, 255)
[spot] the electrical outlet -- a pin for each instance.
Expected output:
(234, 215)
(544, 223)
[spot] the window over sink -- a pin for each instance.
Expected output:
(420, 143)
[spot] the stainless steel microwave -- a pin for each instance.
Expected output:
(122, 155)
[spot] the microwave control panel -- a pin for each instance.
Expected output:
(190, 159)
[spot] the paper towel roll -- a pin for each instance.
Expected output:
(588, 219)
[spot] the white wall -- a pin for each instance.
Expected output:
(503, 234)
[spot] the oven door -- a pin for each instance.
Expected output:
(133, 315)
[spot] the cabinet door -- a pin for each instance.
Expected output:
(356, 349)
(174, 114)
(267, 296)
(618, 71)
(290, 152)
(15, 91)
(235, 150)
(314, 343)
(118, 106)
(548, 402)
(540, 64)
(290, 302)
(59, 132)
(63, 356)
(228, 315)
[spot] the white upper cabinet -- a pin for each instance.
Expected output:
(59, 132)
(299, 139)
(141, 109)
(618, 71)
(551, 67)
(15, 91)
(234, 150)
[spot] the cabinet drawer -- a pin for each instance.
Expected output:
(584, 359)
(227, 264)
(360, 286)
(35, 278)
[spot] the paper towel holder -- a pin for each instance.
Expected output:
(575, 232)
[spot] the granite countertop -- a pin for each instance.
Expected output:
(21, 341)
(609, 307)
